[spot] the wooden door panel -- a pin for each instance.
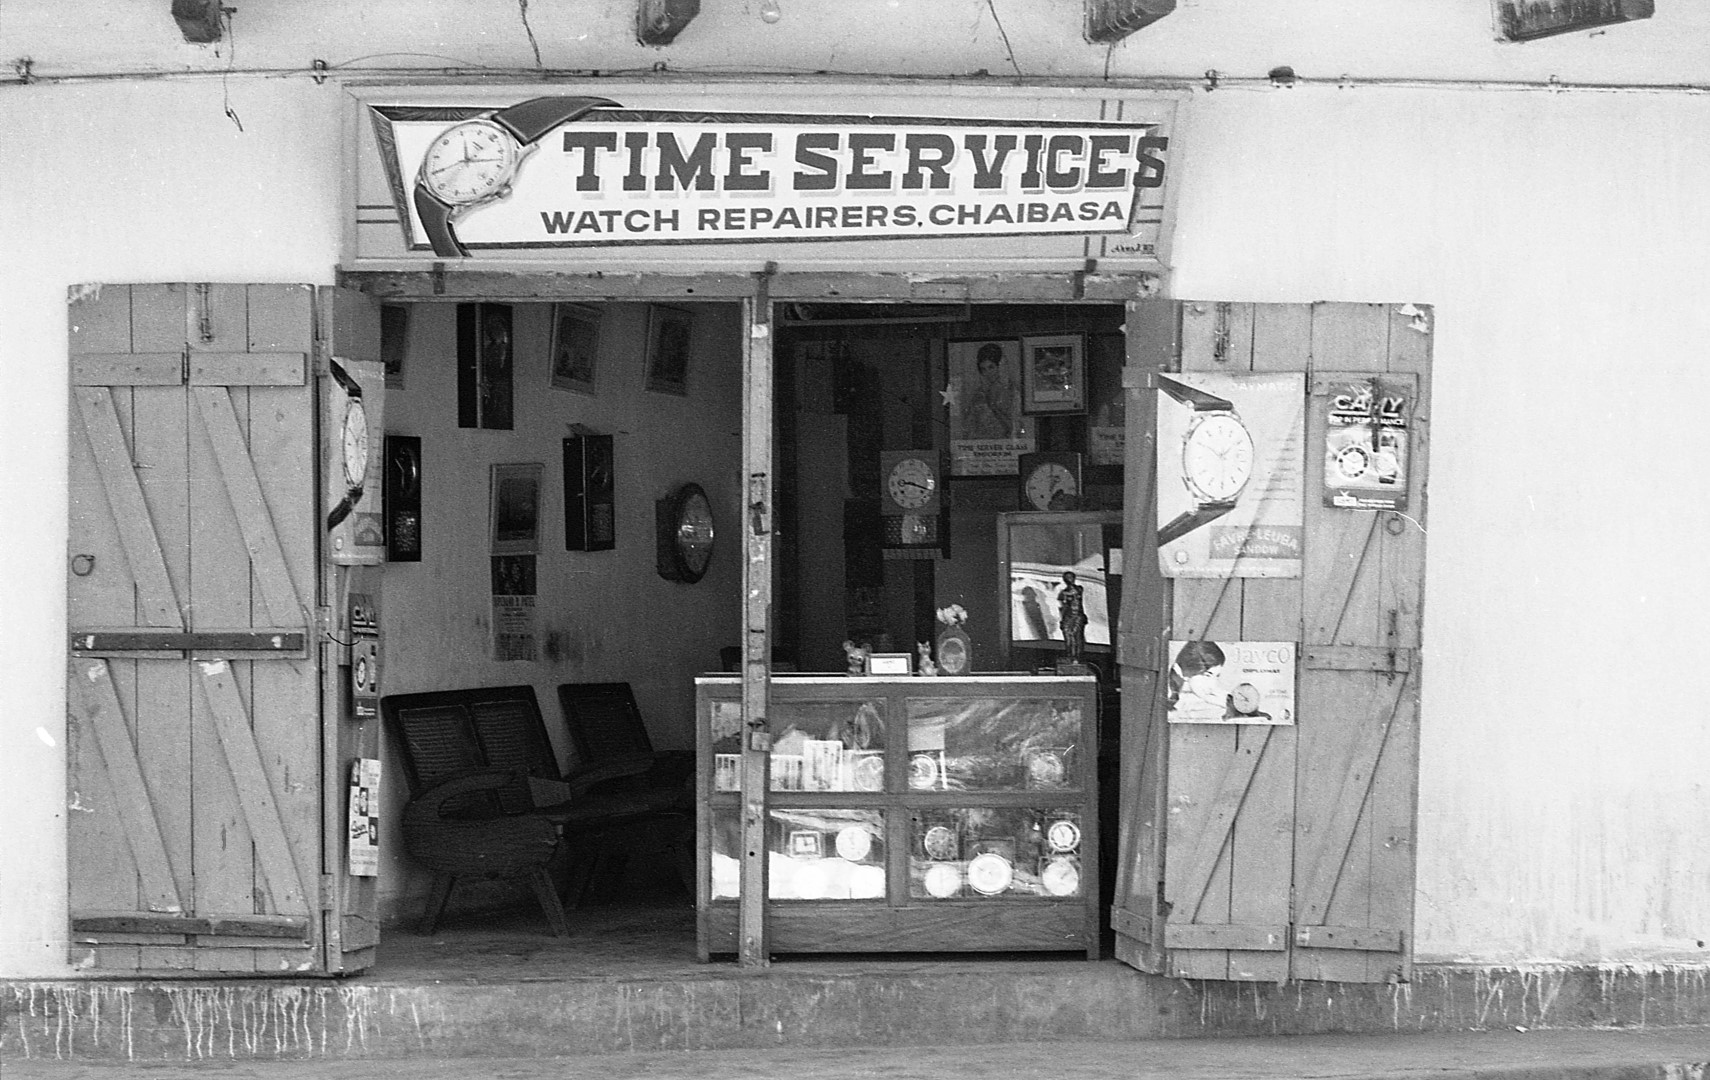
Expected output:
(219, 753)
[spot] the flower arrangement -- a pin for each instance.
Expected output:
(954, 615)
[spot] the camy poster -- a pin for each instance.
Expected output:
(1231, 682)
(1366, 442)
(1231, 474)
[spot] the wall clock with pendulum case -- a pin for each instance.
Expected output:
(911, 488)
(1050, 480)
(590, 514)
(1216, 461)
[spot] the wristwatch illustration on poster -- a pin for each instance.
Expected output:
(1231, 682)
(1231, 476)
(1365, 442)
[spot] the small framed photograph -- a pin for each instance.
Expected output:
(1054, 374)
(668, 349)
(516, 509)
(898, 663)
(575, 346)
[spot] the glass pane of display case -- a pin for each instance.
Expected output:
(971, 853)
(813, 854)
(993, 744)
(816, 746)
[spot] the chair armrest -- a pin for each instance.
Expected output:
(429, 806)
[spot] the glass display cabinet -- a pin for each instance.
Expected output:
(908, 814)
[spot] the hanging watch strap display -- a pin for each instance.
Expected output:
(1216, 458)
(473, 162)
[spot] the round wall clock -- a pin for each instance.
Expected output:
(686, 534)
(911, 483)
(990, 873)
(1050, 480)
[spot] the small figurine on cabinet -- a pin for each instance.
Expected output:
(926, 666)
(857, 655)
(1072, 613)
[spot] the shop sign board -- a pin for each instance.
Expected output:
(484, 178)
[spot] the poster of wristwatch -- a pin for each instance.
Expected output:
(1365, 440)
(1231, 474)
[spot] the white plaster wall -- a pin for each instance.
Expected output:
(1561, 237)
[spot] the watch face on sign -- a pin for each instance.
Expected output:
(1217, 457)
(470, 162)
(355, 443)
(1051, 483)
(1244, 699)
(911, 483)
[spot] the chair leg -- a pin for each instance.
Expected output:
(549, 902)
(438, 893)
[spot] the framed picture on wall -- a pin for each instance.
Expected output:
(575, 346)
(982, 395)
(1054, 374)
(394, 341)
(515, 510)
(668, 349)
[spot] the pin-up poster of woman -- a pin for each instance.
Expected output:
(982, 391)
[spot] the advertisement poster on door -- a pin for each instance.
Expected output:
(1231, 682)
(1231, 474)
(1366, 442)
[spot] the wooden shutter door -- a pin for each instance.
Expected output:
(1359, 677)
(194, 694)
(1258, 852)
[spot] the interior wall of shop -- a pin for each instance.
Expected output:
(1561, 237)
(604, 616)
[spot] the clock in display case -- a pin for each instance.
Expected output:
(908, 814)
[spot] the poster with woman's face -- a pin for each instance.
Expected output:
(1231, 682)
(982, 391)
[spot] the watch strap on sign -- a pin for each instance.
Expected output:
(1189, 521)
(527, 121)
(1199, 400)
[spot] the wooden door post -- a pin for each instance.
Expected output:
(756, 528)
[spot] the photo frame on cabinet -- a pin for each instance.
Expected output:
(1054, 374)
(668, 334)
(515, 509)
(575, 347)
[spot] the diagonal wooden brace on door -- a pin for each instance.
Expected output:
(255, 793)
(249, 505)
(93, 702)
(1338, 835)
(157, 602)
(1214, 834)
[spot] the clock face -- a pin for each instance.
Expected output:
(354, 442)
(911, 484)
(1061, 877)
(1245, 699)
(1217, 458)
(1050, 482)
(469, 162)
(1063, 836)
(694, 533)
(1353, 461)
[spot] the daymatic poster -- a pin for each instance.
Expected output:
(1366, 443)
(1231, 682)
(1231, 474)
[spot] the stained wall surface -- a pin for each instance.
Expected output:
(1560, 236)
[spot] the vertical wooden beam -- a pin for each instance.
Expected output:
(756, 530)
(1113, 20)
